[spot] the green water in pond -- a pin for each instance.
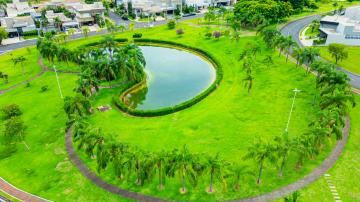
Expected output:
(173, 77)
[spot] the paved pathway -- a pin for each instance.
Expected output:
(294, 28)
(19, 194)
(43, 70)
(284, 191)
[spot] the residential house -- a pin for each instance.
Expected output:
(18, 8)
(15, 26)
(85, 13)
(344, 29)
(65, 22)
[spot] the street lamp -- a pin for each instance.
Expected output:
(292, 106)
(57, 79)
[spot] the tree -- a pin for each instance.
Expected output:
(280, 43)
(299, 56)
(304, 148)
(338, 52)
(182, 162)
(310, 54)
(161, 160)
(260, 152)
(85, 31)
(249, 79)
(57, 23)
(288, 44)
(77, 105)
(11, 110)
(3, 34)
(210, 15)
(238, 172)
(21, 60)
(71, 32)
(293, 197)
(14, 129)
(269, 36)
(282, 147)
(216, 166)
(171, 24)
(268, 60)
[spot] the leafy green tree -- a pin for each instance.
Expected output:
(338, 51)
(3, 34)
(299, 56)
(248, 80)
(20, 59)
(11, 110)
(289, 43)
(303, 145)
(310, 55)
(14, 129)
(283, 145)
(171, 24)
(57, 23)
(260, 152)
(268, 61)
(269, 36)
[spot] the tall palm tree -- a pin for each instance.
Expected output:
(299, 56)
(216, 168)
(260, 152)
(249, 80)
(21, 60)
(280, 43)
(268, 60)
(57, 23)
(161, 160)
(238, 172)
(339, 100)
(289, 43)
(283, 145)
(310, 54)
(85, 31)
(269, 36)
(304, 147)
(182, 164)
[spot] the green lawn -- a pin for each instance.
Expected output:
(226, 122)
(18, 73)
(345, 173)
(351, 63)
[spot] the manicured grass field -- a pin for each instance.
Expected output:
(17, 73)
(345, 173)
(226, 122)
(351, 63)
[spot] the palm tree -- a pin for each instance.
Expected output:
(249, 79)
(216, 168)
(283, 146)
(57, 23)
(269, 36)
(255, 49)
(310, 54)
(304, 148)
(238, 172)
(85, 31)
(280, 43)
(71, 32)
(161, 160)
(338, 100)
(77, 105)
(268, 60)
(182, 164)
(299, 56)
(90, 141)
(235, 27)
(260, 151)
(288, 43)
(21, 60)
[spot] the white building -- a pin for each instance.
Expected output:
(66, 22)
(344, 29)
(17, 25)
(85, 13)
(18, 8)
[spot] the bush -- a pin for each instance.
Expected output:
(11, 111)
(216, 34)
(44, 88)
(171, 24)
(30, 33)
(208, 35)
(137, 35)
(319, 41)
(180, 32)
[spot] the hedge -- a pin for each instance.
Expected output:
(96, 43)
(168, 110)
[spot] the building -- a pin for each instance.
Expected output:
(15, 26)
(85, 13)
(65, 22)
(344, 29)
(18, 8)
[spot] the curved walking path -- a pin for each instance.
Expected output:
(43, 70)
(19, 194)
(284, 191)
(294, 28)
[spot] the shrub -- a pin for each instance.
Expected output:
(171, 24)
(216, 34)
(319, 41)
(30, 33)
(27, 85)
(44, 88)
(137, 35)
(208, 35)
(11, 111)
(180, 32)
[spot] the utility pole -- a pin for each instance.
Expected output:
(292, 107)
(58, 82)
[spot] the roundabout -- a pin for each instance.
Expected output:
(226, 121)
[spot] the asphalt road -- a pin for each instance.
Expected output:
(293, 29)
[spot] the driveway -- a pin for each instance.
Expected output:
(293, 29)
